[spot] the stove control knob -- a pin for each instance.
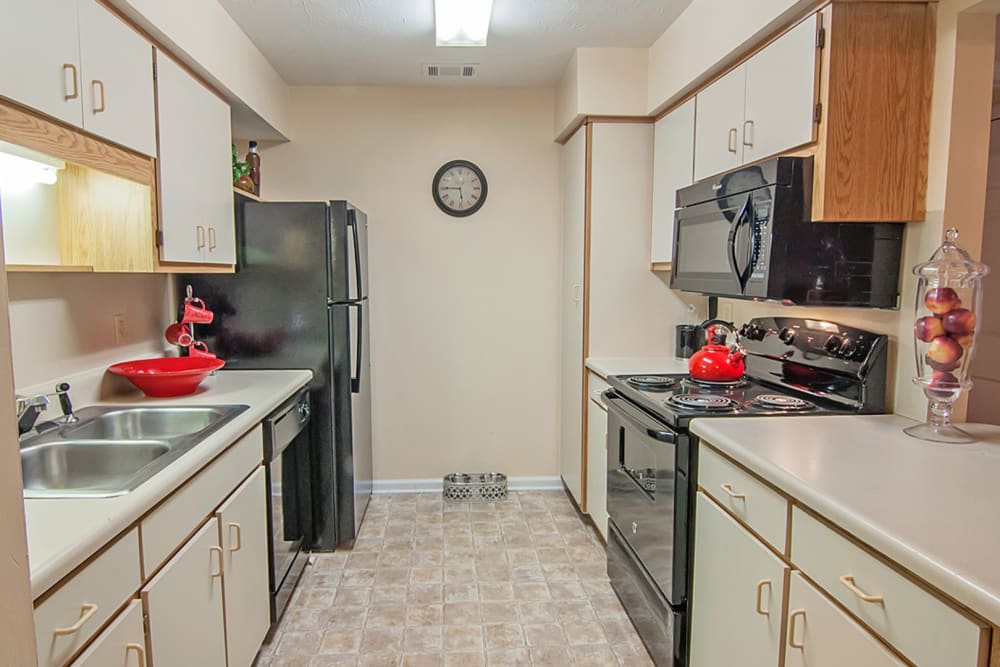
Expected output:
(832, 344)
(848, 348)
(787, 336)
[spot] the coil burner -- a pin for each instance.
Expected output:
(782, 402)
(704, 402)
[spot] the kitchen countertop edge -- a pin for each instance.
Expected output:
(722, 434)
(64, 533)
(605, 366)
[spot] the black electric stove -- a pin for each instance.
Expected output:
(794, 366)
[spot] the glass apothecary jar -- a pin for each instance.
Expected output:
(949, 297)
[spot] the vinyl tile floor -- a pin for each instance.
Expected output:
(516, 582)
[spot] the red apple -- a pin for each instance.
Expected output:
(939, 300)
(965, 340)
(960, 321)
(944, 354)
(928, 328)
(946, 384)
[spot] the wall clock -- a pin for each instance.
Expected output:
(459, 188)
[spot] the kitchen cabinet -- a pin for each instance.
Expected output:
(122, 644)
(184, 605)
(738, 588)
(196, 221)
(40, 57)
(673, 169)
(597, 455)
(75, 61)
(821, 635)
(612, 304)
(116, 80)
(762, 107)
(243, 519)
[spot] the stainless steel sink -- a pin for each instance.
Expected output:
(113, 450)
(142, 423)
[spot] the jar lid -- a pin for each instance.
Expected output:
(952, 263)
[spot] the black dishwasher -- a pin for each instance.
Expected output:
(286, 446)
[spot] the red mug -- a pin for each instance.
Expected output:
(179, 333)
(195, 312)
(199, 349)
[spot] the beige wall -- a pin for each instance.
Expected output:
(62, 324)
(601, 82)
(465, 321)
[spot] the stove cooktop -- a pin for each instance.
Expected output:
(677, 399)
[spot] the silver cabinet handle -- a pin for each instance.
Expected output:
(98, 85)
(200, 231)
(71, 68)
(732, 140)
(748, 133)
(86, 613)
(211, 239)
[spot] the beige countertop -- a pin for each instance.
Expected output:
(932, 508)
(64, 532)
(605, 366)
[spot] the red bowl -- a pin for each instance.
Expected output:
(167, 376)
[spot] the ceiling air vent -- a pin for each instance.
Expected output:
(467, 71)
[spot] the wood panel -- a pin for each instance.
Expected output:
(49, 268)
(875, 90)
(661, 266)
(25, 128)
(105, 222)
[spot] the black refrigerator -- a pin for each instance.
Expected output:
(299, 299)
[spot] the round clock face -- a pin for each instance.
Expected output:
(459, 188)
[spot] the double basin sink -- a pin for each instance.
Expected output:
(111, 451)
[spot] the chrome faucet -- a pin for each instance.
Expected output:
(30, 408)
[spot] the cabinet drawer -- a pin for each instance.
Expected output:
(122, 644)
(596, 386)
(169, 525)
(759, 506)
(70, 616)
(925, 629)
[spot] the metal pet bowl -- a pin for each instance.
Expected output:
(476, 487)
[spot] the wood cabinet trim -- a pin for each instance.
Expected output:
(661, 266)
(25, 127)
(587, 215)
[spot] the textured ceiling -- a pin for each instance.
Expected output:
(385, 42)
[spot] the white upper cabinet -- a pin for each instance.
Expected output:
(719, 119)
(761, 108)
(781, 94)
(116, 80)
(40, 57)
(196, 190)
(673, 168)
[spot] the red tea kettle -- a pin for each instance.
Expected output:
(715, 362)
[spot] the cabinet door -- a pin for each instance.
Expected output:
(196, 193)
(597, 460)
(122, 644)
(574, 169)
(718, 123)
(243, 518)
(736, 595)
(821, 635)
(40, 57)
(184, 605)
(673, 168)
(781, 94)
(117, 80)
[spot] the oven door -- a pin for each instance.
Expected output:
(648, 492)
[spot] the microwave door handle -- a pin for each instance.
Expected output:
(751, 244)
(733, 233)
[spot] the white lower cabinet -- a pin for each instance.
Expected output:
(736, 597)
(597, 463)
(122, 644)
(243, 520)
(184, 604)
(821, 635)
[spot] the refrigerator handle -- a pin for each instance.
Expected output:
(352, 220)
(356, 371)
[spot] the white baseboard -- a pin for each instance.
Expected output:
(435, 485)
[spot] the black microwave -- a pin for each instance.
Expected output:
(748, 235)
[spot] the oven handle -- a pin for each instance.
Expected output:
(637, 418)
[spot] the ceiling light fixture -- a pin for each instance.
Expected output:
(462, 22)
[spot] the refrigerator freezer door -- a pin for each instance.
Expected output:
(348, 253)
(361, 413)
